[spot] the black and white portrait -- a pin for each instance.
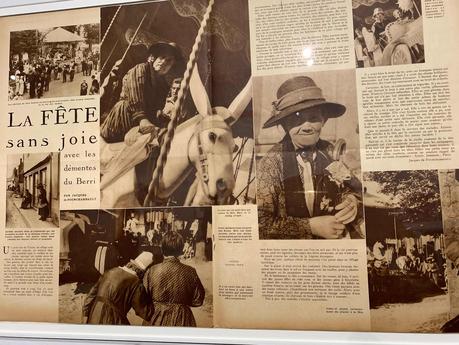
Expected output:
(308, 168)
(176, 128)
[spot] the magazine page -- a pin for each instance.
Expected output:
(118, 137)
(237, 163)
(307, 250)
(349, 146)
(407, 91)
(296, 261)
(49, 151)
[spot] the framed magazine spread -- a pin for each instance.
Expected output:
(233, 164)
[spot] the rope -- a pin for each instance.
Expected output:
(110, 25)
(105, 83)
(109, 56)
(246, 197)
(165, 147)
(134, 36)
(239, 157)
(243, 190)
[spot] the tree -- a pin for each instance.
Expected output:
(25, 41)
(417, 191)
(71, 28)
(91, 34)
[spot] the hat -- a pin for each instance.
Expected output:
(377, 10)
(144, 260)
(164, 48)
(300, 93)
(171, 49)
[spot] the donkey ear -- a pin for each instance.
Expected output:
(199, 93)
(241, 101)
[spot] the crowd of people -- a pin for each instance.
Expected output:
(385, 262)
(133, 242)
(161, 293)
(31, 78)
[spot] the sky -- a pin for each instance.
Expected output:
(12, 162)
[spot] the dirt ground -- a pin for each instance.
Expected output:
(426, 316)
(71, 298)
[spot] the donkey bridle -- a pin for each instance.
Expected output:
(203, 166)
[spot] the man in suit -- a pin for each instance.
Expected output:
(302, 192)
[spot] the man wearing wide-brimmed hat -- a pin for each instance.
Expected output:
(143, 94)
(302, 192)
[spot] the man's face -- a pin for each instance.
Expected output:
(379, 17)
(304, 127)
(163, 64)
(175, 89)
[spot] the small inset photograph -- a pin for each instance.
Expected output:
(32, 196)
(405, 251)
(54, 62)
(388, 32)
(150, 267)
(308, 156)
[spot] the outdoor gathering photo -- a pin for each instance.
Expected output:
(54, 62)
(405, 250)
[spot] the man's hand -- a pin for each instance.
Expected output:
(347, 209)
(326, 227)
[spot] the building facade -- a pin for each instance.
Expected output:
(43, 168)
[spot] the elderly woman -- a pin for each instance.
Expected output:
(119, 289)
(174, 287)
(43, 205)
(145, 88)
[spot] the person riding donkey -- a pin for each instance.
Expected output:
(144, 91)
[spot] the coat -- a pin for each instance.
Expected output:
(143, 94)
(111, 298)
(174, 288)
(282, 211)
(43, 205)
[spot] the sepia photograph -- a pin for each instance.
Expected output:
(449, 191)
(308, 156)
(176, 122)
(32, 195)
(150, 267)
(54, 62)
(405, 251)
(388, 32)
